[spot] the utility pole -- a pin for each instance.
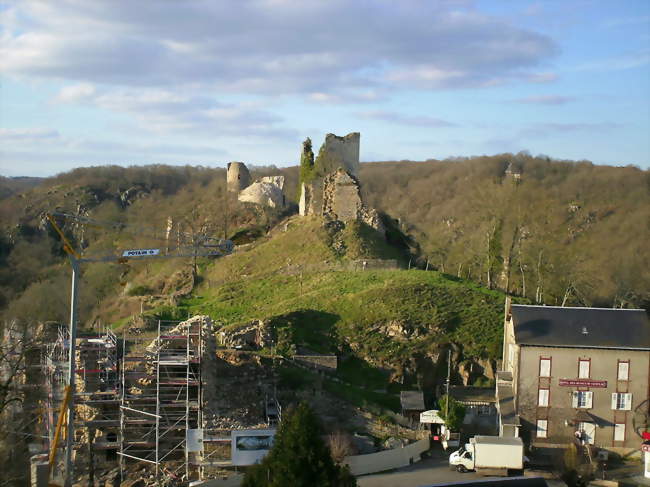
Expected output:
(448, 377)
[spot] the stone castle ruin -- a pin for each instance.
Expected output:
(238, 176)
(266, 191)
(330, 186)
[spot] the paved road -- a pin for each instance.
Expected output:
(426, 472)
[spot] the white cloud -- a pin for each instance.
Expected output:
(546, 100)
(542, 77)
(75, 93)
(28, 134)
(267, 46)
(409, 120)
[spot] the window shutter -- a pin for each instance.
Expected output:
(619, 432)
(628, 401)
(574, 400)
(542, 399)
(614, 398)
(545, 367)
(623, 370)
(583, 370)
(589, 400)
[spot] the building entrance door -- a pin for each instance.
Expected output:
(590, 431)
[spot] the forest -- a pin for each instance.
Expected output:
(548, 231)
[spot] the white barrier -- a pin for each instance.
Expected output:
(388, 459)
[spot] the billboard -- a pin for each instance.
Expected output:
(250, 446)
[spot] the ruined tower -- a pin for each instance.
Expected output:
(339, 152)
(330, 186)
(238, 176)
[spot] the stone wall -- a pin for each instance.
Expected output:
(342, 200)
(325, 362)
(339, 152)
(237, 177)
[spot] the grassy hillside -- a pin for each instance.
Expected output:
(293, 280)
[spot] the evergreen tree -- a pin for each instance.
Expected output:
(452, 415)
(306, 163)
(299, 457)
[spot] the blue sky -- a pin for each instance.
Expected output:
(207, 82)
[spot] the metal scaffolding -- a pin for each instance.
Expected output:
(95, 399)
(160, 404)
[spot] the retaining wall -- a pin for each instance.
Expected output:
(388, 459)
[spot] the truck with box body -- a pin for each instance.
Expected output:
(489, 455)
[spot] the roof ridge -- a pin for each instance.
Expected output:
(577, 307)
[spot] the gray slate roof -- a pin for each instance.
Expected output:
(581, 327)
(412, 400)
(473, 395)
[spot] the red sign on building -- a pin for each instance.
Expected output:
(583, 383)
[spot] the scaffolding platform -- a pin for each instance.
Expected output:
(160, 399)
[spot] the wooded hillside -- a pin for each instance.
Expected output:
(557, 232)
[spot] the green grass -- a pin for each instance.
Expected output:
(362, 398)
(291, 280)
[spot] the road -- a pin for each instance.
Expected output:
(429, 471)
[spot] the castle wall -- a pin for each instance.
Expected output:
(339, 152)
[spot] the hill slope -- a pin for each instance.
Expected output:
(553, 231)
(397, 321)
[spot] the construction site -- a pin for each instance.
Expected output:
(146, 406)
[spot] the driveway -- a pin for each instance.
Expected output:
(432, 470)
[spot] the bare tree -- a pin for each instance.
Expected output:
(17, 345)
(341, 445)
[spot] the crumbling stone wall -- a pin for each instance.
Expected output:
(342, 201)
(324, 362)
(341, 198)
(332, 187)
(335, 153)
(266, 191)
(339, 152)
(237, 177)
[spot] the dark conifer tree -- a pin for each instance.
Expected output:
(299, 457)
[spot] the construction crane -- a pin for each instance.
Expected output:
(198, 245)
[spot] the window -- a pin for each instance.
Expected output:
(622, 401)
(542, 398)
(544, 367)
(542, 428)
(623, 370)
(619, 432)
(583, 399)
(583, 368)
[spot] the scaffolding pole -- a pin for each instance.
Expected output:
(166, 403)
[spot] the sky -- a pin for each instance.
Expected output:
(204, 82)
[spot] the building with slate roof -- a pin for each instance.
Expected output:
(575, 369)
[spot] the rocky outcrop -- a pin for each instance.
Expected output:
(266, 191)
(256, 334)
(237, 177)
